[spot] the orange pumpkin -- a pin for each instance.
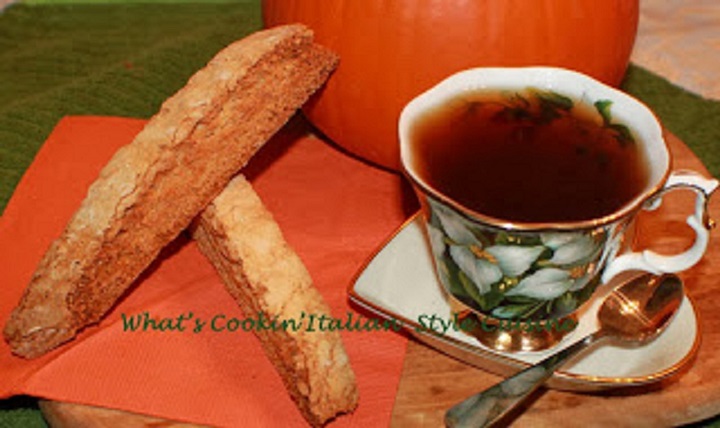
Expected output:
(392, 50)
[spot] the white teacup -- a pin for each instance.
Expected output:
(505, 269)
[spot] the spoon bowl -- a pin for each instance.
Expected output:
(640, 309)
(634, 312)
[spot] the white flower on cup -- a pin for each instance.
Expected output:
(480, 271)
(455, 227)
(568, 248)
(557, 240)
(545, 284)
(515, 260)
(437, 240)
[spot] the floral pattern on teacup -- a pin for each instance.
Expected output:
(514, 275)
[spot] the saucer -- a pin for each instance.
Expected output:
(398, 284)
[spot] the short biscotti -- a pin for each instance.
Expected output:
(152, 188)
(267, 279)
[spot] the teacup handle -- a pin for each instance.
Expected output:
(700, 221)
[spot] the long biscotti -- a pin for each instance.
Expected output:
(152, 188)
(265, 276)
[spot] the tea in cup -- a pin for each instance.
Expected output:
(529, 179)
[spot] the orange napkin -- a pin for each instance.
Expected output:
(333, 209)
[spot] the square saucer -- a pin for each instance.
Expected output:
(399, 284)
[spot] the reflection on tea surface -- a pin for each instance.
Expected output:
(532, 156)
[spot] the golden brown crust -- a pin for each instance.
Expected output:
(265, 276)
(152, 188)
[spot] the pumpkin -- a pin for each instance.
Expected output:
(392, 50)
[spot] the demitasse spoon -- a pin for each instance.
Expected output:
(635, 311)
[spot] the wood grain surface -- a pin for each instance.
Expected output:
(432, 382)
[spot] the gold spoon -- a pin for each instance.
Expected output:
(635, 311)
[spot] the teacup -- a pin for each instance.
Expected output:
(527, 256)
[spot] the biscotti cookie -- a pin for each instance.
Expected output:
(152, 188)
(267, 278)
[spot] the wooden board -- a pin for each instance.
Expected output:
(432, 382)
(70, 415)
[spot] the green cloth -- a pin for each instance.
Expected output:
(694, 119)
(124, 59)
(117, 59)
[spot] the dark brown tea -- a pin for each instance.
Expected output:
(534, 156)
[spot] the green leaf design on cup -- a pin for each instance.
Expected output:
(552, 104)
(603, 107)
(513, 311)
(622, 133)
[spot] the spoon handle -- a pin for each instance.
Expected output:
(489, 406)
